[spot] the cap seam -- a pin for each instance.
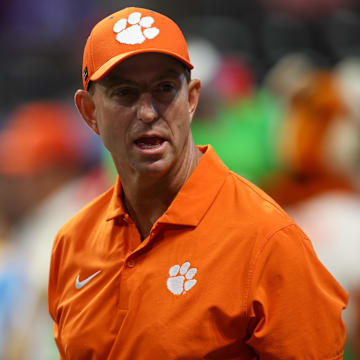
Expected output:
(91, 58)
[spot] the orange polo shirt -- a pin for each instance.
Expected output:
(224, 274)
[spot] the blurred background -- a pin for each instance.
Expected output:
(280, 104)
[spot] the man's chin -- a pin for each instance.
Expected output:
(154, 168)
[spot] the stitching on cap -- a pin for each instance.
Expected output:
(91, 57)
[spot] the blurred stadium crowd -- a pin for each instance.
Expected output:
(280, 104)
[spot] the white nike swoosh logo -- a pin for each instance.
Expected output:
(79, 284)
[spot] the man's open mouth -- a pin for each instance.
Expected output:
(151, 142)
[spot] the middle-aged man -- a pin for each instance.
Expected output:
(182, 258)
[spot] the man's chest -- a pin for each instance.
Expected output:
(174, 299)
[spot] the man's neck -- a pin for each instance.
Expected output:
(146, 200)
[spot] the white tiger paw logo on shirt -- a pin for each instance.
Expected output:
(181, 278)
(139, 30)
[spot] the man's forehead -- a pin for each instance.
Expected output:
(149, 65)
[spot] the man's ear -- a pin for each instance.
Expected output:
(86, 106)
(194, 93)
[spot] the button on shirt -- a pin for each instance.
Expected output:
(225, 274)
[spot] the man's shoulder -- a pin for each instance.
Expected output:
(247, 203)
(251, 193)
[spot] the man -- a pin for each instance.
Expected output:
(181, 259)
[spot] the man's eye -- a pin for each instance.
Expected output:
(125, 92)
(165, 92)
(167, 87)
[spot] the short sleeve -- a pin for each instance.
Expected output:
(294, 303)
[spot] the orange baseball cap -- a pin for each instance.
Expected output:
(129, 32)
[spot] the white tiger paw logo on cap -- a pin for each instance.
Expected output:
(139, 30)
(181, 278)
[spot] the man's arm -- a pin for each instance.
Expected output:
(294, 303)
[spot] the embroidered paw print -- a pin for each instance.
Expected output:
(181, 278)
(139, 30)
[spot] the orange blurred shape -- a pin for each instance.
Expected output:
(313, 109)
(37, 136)
(312, 112)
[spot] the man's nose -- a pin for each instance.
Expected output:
(146, 110)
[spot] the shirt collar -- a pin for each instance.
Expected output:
(194, 198)
(116, 207)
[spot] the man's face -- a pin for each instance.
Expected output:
(143, 111)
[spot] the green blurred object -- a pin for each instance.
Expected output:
(245, 135)
(348, 354)
(108, 166)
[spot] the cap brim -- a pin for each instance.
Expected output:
(109, 65)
